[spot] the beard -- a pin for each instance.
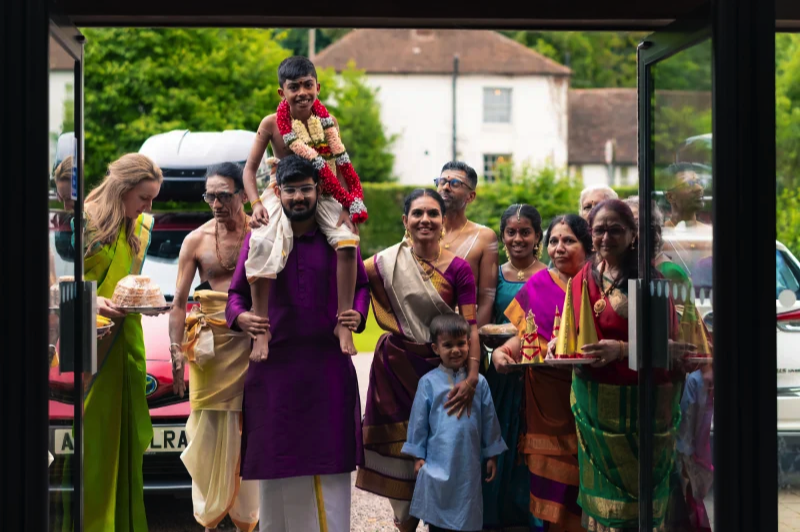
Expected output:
(455, 204)
(300, 216)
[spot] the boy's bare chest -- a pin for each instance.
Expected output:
(279, 148)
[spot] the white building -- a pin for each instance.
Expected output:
(510, 101)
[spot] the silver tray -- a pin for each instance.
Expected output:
(569, 361)
(145, 311)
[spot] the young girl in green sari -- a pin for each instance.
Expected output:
(117, 428)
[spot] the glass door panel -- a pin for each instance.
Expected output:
(675, 318)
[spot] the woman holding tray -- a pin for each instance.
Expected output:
(548, 441)
(505, 500)
(411, 283)
(117, 428)
(605, 394)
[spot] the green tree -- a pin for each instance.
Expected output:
(140, 82)
(551, 191)
(788, 219)
(357, 109)
(787, 112)
(597, 59)
(296, 39)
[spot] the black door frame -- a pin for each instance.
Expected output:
(68, 36)
(744, 130)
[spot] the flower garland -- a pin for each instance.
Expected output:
(323, 135)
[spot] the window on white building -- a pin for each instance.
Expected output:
(496, 106)
(491, 162)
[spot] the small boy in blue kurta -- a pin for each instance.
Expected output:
(449, 450)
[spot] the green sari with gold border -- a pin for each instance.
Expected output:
(117, 428)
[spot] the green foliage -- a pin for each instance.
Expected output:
(788, 219)
(550, 191)
(357, 109)
(296, 39)
(597, 59)
(608, 59)
(385, 225)
(787, 112)
(143, 81)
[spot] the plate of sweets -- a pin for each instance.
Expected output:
(493, 336)
(103, 325)
(570, 338)
(138, 294)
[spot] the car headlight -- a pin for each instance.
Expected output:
(150, 385)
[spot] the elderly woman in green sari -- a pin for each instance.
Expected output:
(605, 394)
(117, 428)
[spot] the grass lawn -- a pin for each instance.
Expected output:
(366, 341)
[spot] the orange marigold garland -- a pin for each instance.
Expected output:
(332, 148)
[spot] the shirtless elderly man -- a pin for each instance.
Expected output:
(218, 357)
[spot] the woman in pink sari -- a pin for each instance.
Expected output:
(549, 441)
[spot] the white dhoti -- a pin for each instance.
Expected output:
(306, 504)
(212, 459)
(270, 245)
(218, 361)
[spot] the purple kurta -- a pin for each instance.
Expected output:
(302, 412)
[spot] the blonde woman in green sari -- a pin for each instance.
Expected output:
(117, 428)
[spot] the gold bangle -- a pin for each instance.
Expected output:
(254, 202)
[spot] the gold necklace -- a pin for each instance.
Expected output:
(521, 273)
(423, 262)
(238, 246)
(447, 245)
(601, 304)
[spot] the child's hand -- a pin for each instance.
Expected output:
(418, 465)
(259, 217)
(491, 469)
(344, 218)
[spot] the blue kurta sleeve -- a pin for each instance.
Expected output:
(419, 422)
(492, 443)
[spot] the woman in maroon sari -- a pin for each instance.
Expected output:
(549, 442)
(411, 283)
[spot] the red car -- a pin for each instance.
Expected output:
(163, 469)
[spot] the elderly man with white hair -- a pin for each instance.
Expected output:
(591, 196)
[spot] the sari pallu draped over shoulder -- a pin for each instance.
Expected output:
(404, 303)
(605, 405)
(117, 428)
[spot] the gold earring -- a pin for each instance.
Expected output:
(441, 237)
(633, 244)
(408, 237)
(505, 249)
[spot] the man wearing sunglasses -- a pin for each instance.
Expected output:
(475, 243)
(685, 197)
(218, 357)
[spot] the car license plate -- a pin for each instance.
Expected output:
(165, 440)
